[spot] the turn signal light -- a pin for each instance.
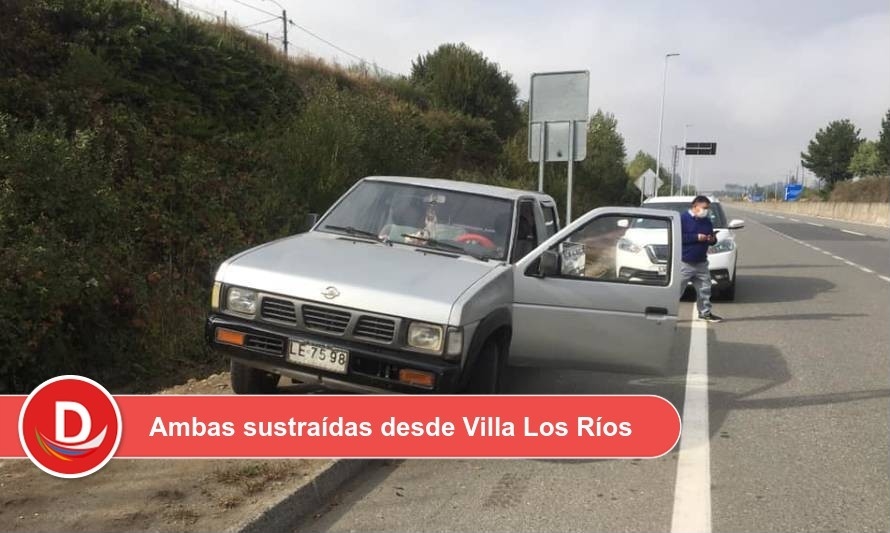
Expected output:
(416, 377)
(229, 337)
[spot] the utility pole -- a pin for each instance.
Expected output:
(284, 21)
(661, 121)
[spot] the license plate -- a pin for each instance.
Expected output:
(317, 356)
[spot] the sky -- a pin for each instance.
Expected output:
(757, 77)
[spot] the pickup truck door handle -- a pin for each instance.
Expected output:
(656, 312)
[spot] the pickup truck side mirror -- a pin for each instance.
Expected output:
(309, 221)
(548, 264)
(736, 223)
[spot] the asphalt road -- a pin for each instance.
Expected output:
(794, 420)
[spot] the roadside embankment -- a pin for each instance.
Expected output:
(875, 213)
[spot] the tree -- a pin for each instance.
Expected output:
(601, 178)
(458, 78)
(831, 150)
(883, 143)
(642, 162)
(866, 161)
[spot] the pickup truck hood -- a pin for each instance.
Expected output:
(393, 280)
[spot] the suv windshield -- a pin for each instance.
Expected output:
(718, 219)
(447, 220)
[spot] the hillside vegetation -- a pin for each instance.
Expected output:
(872, 189)
(139, 147)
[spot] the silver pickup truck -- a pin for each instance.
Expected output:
(434, 286)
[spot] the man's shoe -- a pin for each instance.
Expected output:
(711, 317)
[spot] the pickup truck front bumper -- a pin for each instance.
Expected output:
(370, 368)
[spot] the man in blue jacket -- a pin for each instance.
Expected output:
(698, 235)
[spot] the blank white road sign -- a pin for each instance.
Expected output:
(557, 99)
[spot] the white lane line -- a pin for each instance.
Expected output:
(692, 491)
(816, 224)
(829, 254)
(853, 233)
(794, 220)
(780, 216)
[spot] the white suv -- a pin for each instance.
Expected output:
(641, 255)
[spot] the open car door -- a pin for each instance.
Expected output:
(601, 294)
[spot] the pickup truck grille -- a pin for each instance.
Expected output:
(275, 309)
(376, 328)
(324, 319)
(336, 321)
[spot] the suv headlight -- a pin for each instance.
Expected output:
(627, 245)
(427, 337)
(241, 300)
(722, 247)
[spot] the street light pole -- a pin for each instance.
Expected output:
(684, 173)
(661, 120)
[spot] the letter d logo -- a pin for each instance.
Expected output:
(83, 420)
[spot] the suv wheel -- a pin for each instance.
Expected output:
(486, 374)
(249, 380)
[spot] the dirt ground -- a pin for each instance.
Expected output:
(149, 495)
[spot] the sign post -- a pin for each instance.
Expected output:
(557, 123)
(541, 144)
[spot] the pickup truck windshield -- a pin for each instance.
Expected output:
(450, 221)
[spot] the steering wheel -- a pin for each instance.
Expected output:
(481, 240)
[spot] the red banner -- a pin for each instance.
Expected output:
(337, 426)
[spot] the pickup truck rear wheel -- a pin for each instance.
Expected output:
(486, 374)
(249, 380)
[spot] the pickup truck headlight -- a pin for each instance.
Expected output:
(427, 337)
(722, 247)
(627, 245)
(241, 300)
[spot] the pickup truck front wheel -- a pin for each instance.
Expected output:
(249, 380)
(487, 372)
